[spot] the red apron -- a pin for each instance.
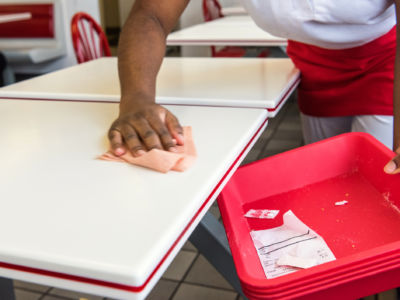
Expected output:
(354, 81)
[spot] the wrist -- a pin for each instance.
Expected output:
(135, 100)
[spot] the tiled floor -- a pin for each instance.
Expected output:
(190, 276)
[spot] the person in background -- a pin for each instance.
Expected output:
(346, 51)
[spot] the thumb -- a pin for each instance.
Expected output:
(393, 166)
(175, 128)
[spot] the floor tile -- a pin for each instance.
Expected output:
(163, 290)
(279, 146)
(50, 297)
(180, 265)
(195, 292)
(388, 295)
(293, 112)
(215, 211)
(284, 134)
(293, 120)
(269, 153)
(24, 285)
(251, 156)
(202, 272)
(284, 144)
(26, 295)
(71, 295)
(272, 125)
(258, 146)
(290, 125)
(189, 247)
(266, 135)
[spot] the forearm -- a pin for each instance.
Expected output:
(142, 124)
(140, 53)
(142, 48)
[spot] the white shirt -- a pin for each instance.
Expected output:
(332, 24)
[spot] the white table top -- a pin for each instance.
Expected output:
(103, 223)
(231, 30)
(6, 18)
(229, 82)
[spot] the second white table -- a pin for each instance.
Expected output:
(227, 82)
(226, 31)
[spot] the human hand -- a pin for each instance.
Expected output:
(393, 166)
(144, 126)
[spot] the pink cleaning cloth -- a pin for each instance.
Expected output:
(161, 160)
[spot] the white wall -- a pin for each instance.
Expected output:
(124, 9)
(69, 8)
(230, 2)
(192, 15)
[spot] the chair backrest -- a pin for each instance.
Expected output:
(211, 10)
(88, 38)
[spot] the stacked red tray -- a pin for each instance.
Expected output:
(364, 234)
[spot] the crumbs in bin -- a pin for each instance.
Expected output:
(262, 213)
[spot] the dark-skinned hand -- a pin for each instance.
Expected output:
(141, 127)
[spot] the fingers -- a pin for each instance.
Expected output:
(116, 141)
(174, 128)
(166, 139)
(132, 140)
(144, 130)
(147, 134)
(138, 136)
(393, 166)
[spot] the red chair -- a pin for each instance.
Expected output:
(88, 38)
(212, 10)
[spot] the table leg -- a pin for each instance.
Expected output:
(6, 289)
(210, 239)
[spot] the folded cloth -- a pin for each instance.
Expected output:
(161, 160)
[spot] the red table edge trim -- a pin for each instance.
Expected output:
(55, 100)
(128, 287)
(286, 95)
(181, 42)
(115, 102)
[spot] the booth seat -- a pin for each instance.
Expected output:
(38, 39)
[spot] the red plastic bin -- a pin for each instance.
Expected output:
(364, 234)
